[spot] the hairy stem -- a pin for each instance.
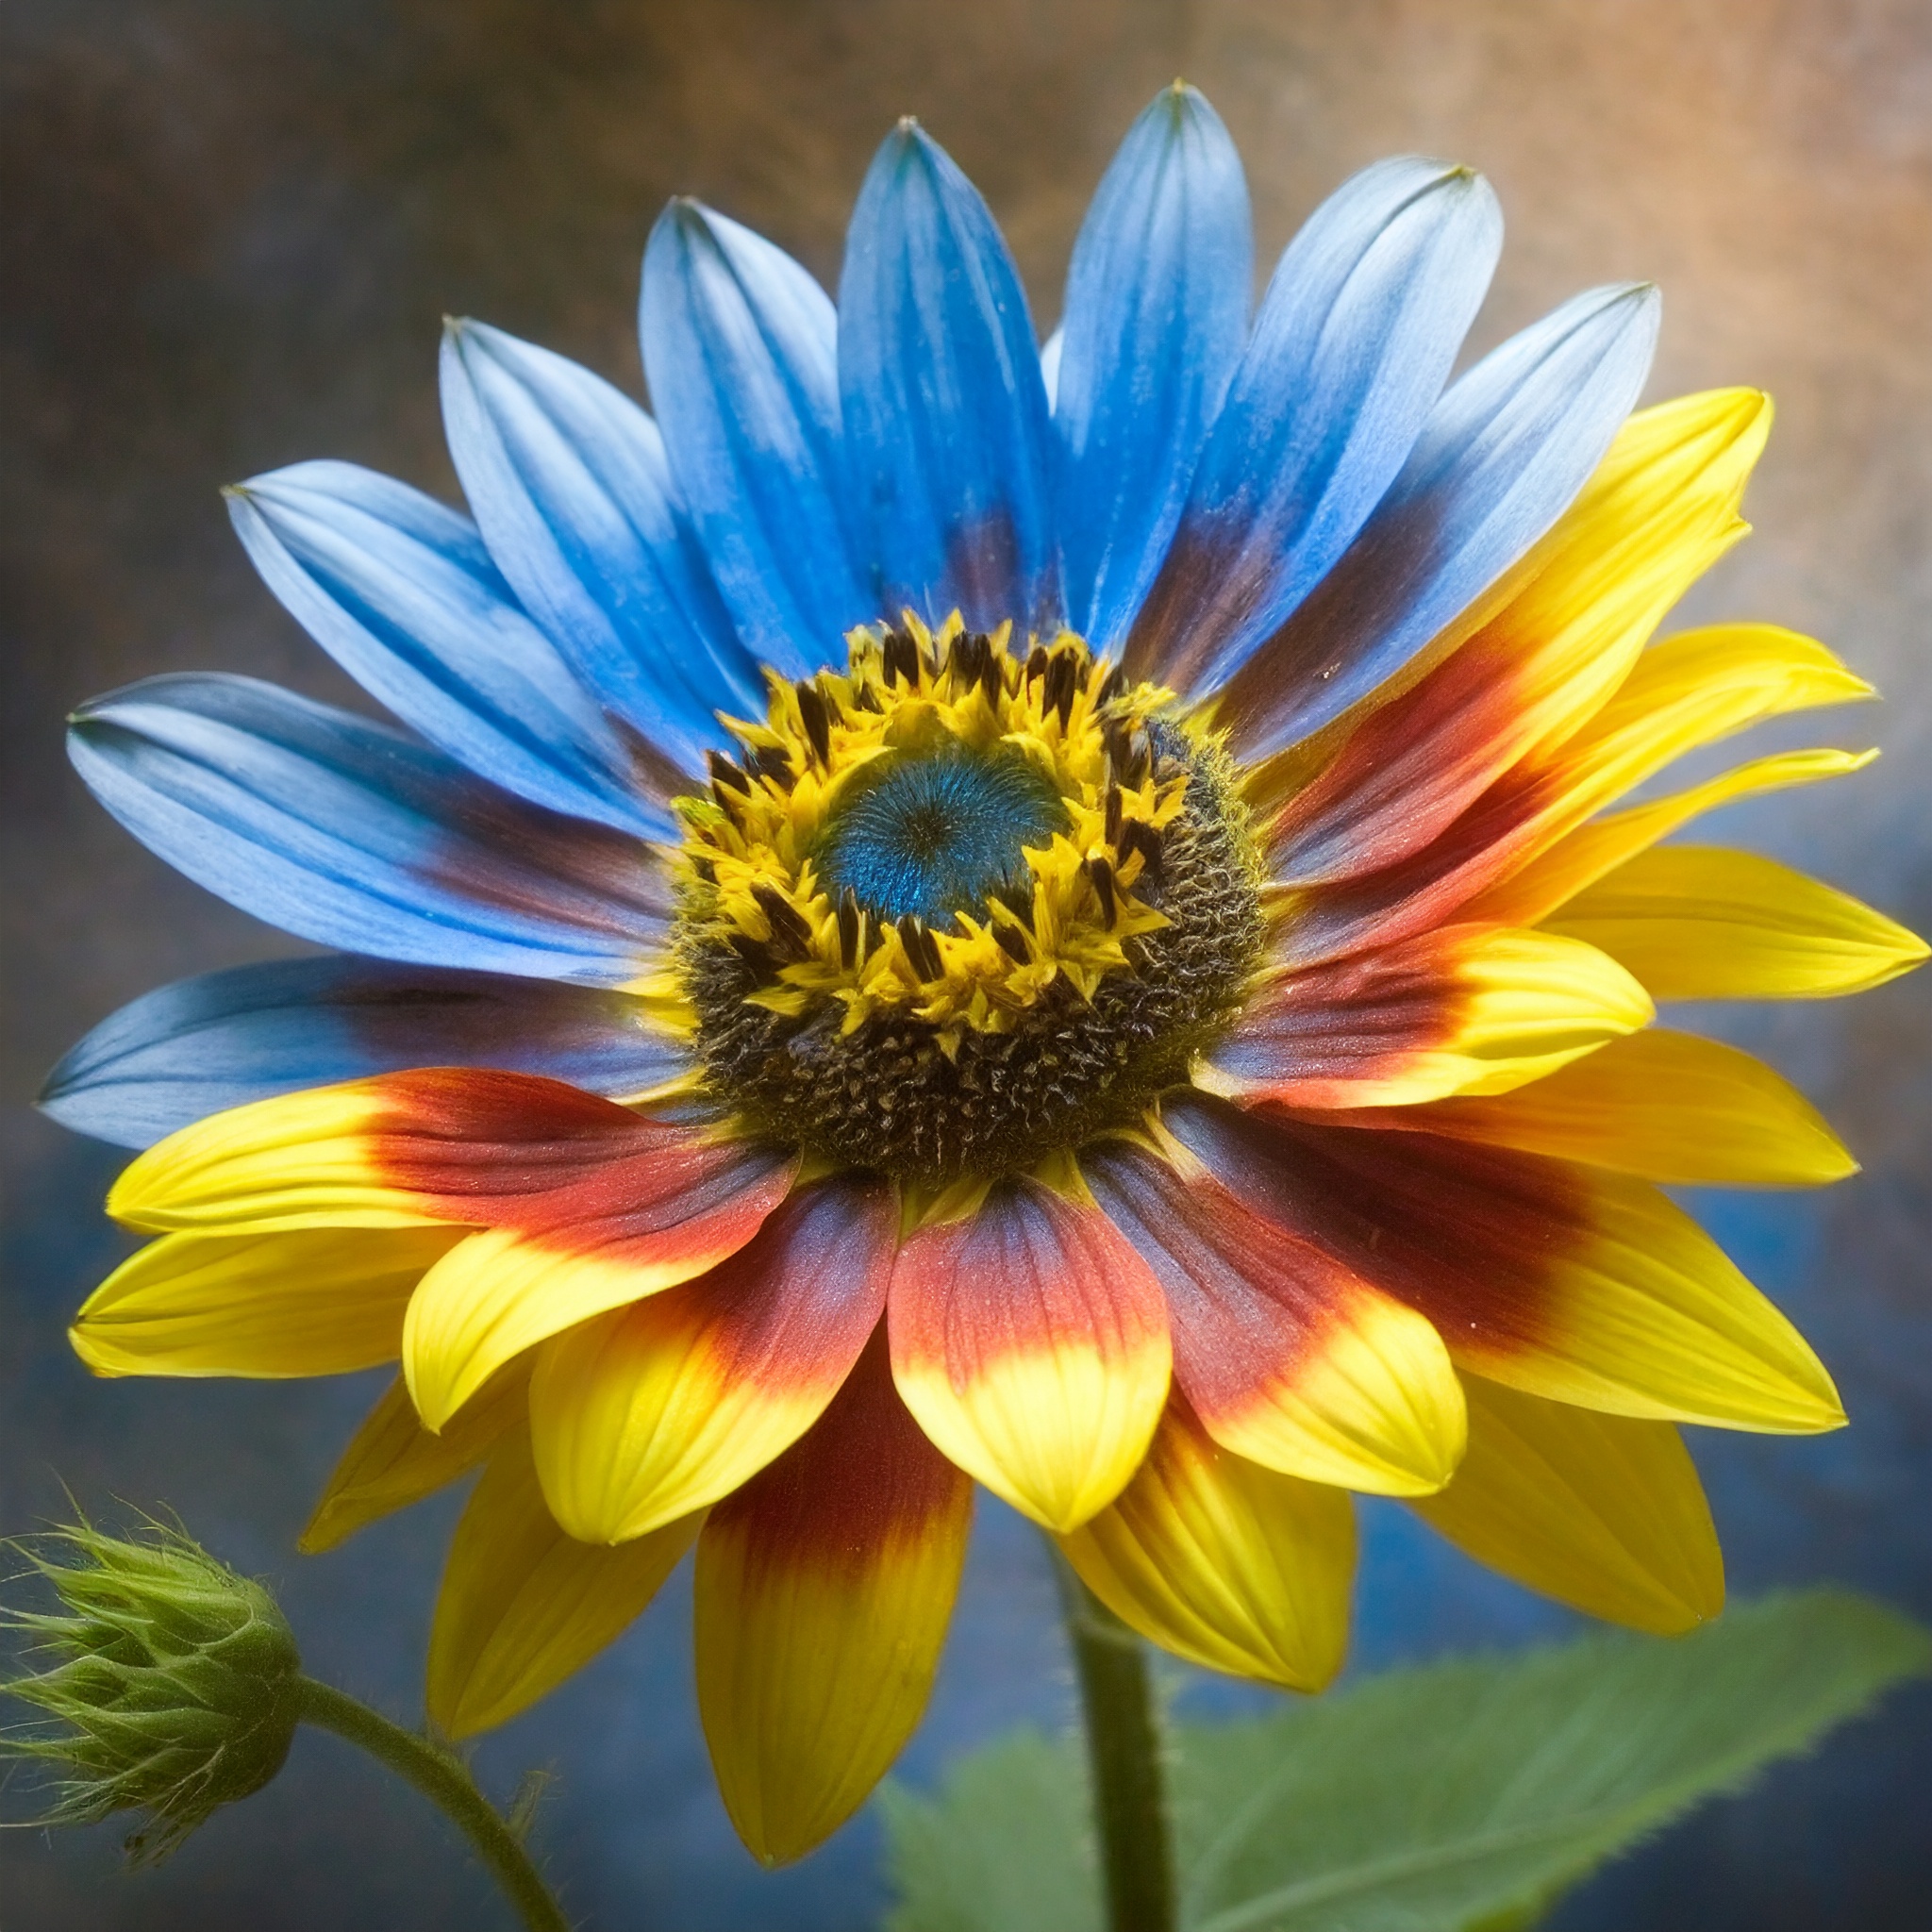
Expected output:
(1124, 1749)
(442, 1779)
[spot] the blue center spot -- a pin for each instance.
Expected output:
(940, 833)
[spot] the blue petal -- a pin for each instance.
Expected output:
(1157, 307)
(345, 832)
(1353, 342)
(569, 485)
(203, 1045)
(1050, 365)
(946, 428)
(741, 351)
(402, 594)
(1505, 452)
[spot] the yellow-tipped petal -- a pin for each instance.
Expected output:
(1699, 921)
(522, 1605)
(296, 1160)
(1224, 1562)
(641, 1416)
(1663, 1105)
(392, 1461)
(824, 1590)
(1602, 1512)
(1032, 1342)
(312, 1301)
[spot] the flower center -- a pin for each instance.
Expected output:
(958, 909)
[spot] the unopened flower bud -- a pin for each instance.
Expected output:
(169, 1683)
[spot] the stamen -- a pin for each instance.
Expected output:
(817, 720)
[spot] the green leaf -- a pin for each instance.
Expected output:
(1462, 1796)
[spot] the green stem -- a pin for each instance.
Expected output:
(1124, 1749)
(440, 1776)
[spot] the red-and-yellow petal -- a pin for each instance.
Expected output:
(1699, 921)
(392, 1461)
(1603, 1512)
(824, 1590)
(1661, 510)
(1289, 1358)
(1224, 1562)
(1032, 1342)
(1663, 1105)
(1554, 1279)
(319, 1301)
(1464, 1009)
(522, 1605)
(645, 1414)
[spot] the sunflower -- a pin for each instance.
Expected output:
(954, 912)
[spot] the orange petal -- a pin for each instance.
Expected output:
(645, 1414)
(824, 1590)
(1224, 1562)
(522, 1605)
(1602, 1512)
(1032, 1342)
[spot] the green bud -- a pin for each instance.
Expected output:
(168, 1685)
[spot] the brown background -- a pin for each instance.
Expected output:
(228, 232)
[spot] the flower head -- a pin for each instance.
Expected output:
(954, 910)
(169, 1685)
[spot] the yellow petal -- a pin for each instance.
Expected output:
(295, 1160)
(1224, 1562)
(1699, 921)
(392, 1461)
(1666, 1106)
(313, 1302)
(824, 1590)
(1602, 1512)
(521, 1604)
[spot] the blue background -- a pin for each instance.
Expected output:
(228, 231)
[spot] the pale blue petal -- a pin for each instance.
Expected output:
(344, 831)
(402, 594)
(1156, 308)
(1504, 454)
(1353, 343)
(740, 352)
(1050, 366)
(946, 427)
(568, 482)
(203, 1045)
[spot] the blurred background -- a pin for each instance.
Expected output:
(227, 231)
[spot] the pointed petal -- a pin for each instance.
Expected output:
(1602, 1512)
(1464, 1009)
(1032, 1342)
(1156, 308)
(402, 594)
(1665, 1106)
(824, 1590)
(1353, 342)
(221, 1040)
(1505, 452)
(567, 480)
(741, 351)
(1702, 923)
(317, 1302)
(1224, 1562)
(392, 1461)
(1288, 1359)
(1556, 1279)
(1686, 691)
(946, 429)
(1661, 510)
(652, 1411)
(522, 1605)
(344, 832)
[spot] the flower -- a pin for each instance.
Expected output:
(960, 912)
(171, 1687)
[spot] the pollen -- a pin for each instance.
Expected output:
(962, 903)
